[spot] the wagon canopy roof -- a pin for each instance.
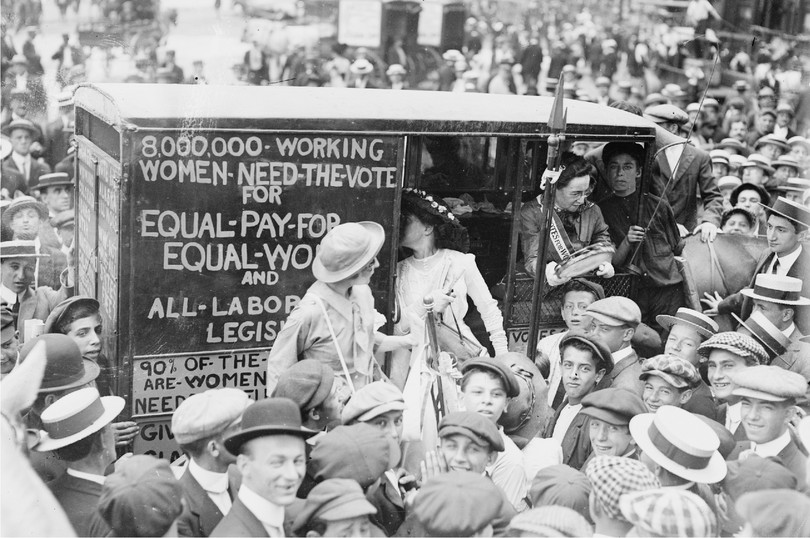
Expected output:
(186, 107)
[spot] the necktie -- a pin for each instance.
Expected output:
(775, 266)
(27, 170)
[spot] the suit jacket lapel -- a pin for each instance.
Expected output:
(686, 159)
(625, 363)
(246, 518)
(201, 504)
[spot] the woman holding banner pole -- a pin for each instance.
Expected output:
(576, 225)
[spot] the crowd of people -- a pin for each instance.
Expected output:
(643, 417)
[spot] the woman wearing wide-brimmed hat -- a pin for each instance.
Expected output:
(335, 321)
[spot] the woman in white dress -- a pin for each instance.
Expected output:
(436, 266)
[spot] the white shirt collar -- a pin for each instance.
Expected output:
(772, 448)
(97, 478)
(19, 159)
(733, 416)
(8, 296)
(787, 261)
(790, 330)
(270, 514)
(209, 480)
(624, 353)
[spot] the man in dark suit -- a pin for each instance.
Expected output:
(77, 428)
(20, 171)
(21, 78)
(613, 323)
(59, 131)
(272, 461)
(769, 396)
(788, 224)
(210, 483)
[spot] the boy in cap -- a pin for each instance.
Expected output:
(687, 330)
(609, 412)
(209, 483)
(774, 513)
(458, 503)
(578, 295)
(486, 388)
(613, 323)
(271, 458)
(768, 397)
(612, 477)
(77, 429)
(668, 512)
(727, 353)
(551, 521)
(583, 362)
(668, 380)
(26, 217)
(335, 507)
(311, 385)
(141, 498)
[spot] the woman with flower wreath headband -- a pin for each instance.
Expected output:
(436, 265)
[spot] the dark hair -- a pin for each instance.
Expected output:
(627, 148)
(738, 211)
(575, 166)
(81, 448)
(578, 285)
(79, 311)
(469, 373)
(764, 197)
(196, 448)
(449, 233)
(581, 346)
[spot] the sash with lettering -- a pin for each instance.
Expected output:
(576, 263)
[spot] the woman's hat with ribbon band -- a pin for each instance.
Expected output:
(777, 289)
(681, 443)
(75, 416)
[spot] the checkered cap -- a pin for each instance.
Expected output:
(676, 371)
(550, 521)
(613, 476)
(668, 512)
(739, 344)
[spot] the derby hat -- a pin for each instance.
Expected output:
(526, 414)
(53, 180)
(75, 416)
(783, 207)
(271, 416)
(24, 202)
(59, 311)
(346, 249)
(65, 368)
(681, 443)
(777, 289)
(703, 324)
(19, 249)
(766, 333)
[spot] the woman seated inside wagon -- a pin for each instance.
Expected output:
(576, 224)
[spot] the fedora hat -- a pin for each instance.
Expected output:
(24, 202)
(271, 416)
(61, 309)
(777, 289)
(346, 249)
(75, 416)
(65, 368)
(527, 412)
(783, 207)
(766, 333)
(702, 323)
(19, 249)
(53, 180)
(681, 443)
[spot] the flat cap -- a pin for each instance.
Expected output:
(332, 500)
(770, 383)
(208, 413)
(458, 503)
(372, 401)
(666, 113)
(676, 371)
(615, 311)
(740, 344)
(600, 352)
(780, 512)
(755, 473)
(497, 367)
(141, 498)
(550, 521)
(669, 512)
(360, 452)
(307, 383)
(475, 426)
(614, 476)
(561, 485)
(613, 405)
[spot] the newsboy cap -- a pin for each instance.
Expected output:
(371, 401)
(780, 512)
(458, 503)
(551, 521)
(676, 371)
(333, 499)
(560, 485)
(613, 405)
(481, 430)
(669, 512)
(666, 113)
(614, 476)
(307, 383)
(361, 452)
(208, 413)
(615, 311)
(497, 367)
(741, 345)
(770, 383)
(756, 473)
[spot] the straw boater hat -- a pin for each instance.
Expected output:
(75, 416)
(777, 289)
(24, 202)
(53, 180)
(783, 207)
(772, 139)
(786, 160)
(766, 333)
(21, 124)
(719, 156)
(702, 323)
(799, 140)
(733, 143)
(761, 161)
(795, 184)
(346, 249)
(681, 443)
(19, 249)
(728, 182)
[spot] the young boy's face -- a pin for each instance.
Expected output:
(484, 393)
(344, 528)
(737, 225)
(719, 170)
(580, 373)
(765, 421)
(658, 392)
(464, 454)
(609, 439)
(86, 332)
(573, 308)
(754, 174)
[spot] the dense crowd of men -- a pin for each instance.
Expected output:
(645, 417)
